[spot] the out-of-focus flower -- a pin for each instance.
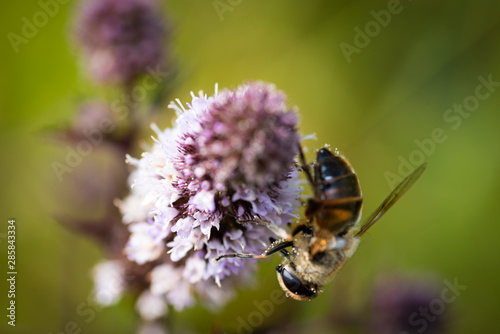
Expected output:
(93, 117)
(151, 306)
(109, 282)
(121, 38)
(402, 305)
(229, 158)
(94, 124)
(152, 327)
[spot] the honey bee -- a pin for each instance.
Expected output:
(323, 242)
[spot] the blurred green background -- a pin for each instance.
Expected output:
(373, 105)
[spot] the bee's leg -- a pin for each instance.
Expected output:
(304, 228)
(305, 167)
(276, 246)
(283, 251)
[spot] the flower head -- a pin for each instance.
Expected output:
(246, 140)
(121, 38)
(228, 158)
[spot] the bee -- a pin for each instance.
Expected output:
(323, 242)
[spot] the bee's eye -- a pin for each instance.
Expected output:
(293, 284)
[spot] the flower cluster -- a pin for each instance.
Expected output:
(228, 159)
(121, 38)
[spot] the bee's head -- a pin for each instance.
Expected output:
(293, 285)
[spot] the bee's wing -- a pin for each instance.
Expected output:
(396, 194)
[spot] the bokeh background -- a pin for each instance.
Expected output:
(372, 105)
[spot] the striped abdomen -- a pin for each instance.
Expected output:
(337, 200)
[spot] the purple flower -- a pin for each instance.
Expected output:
(246, 141)
(400, 304)
(121, 38)
(228, 158)
(141, 246)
